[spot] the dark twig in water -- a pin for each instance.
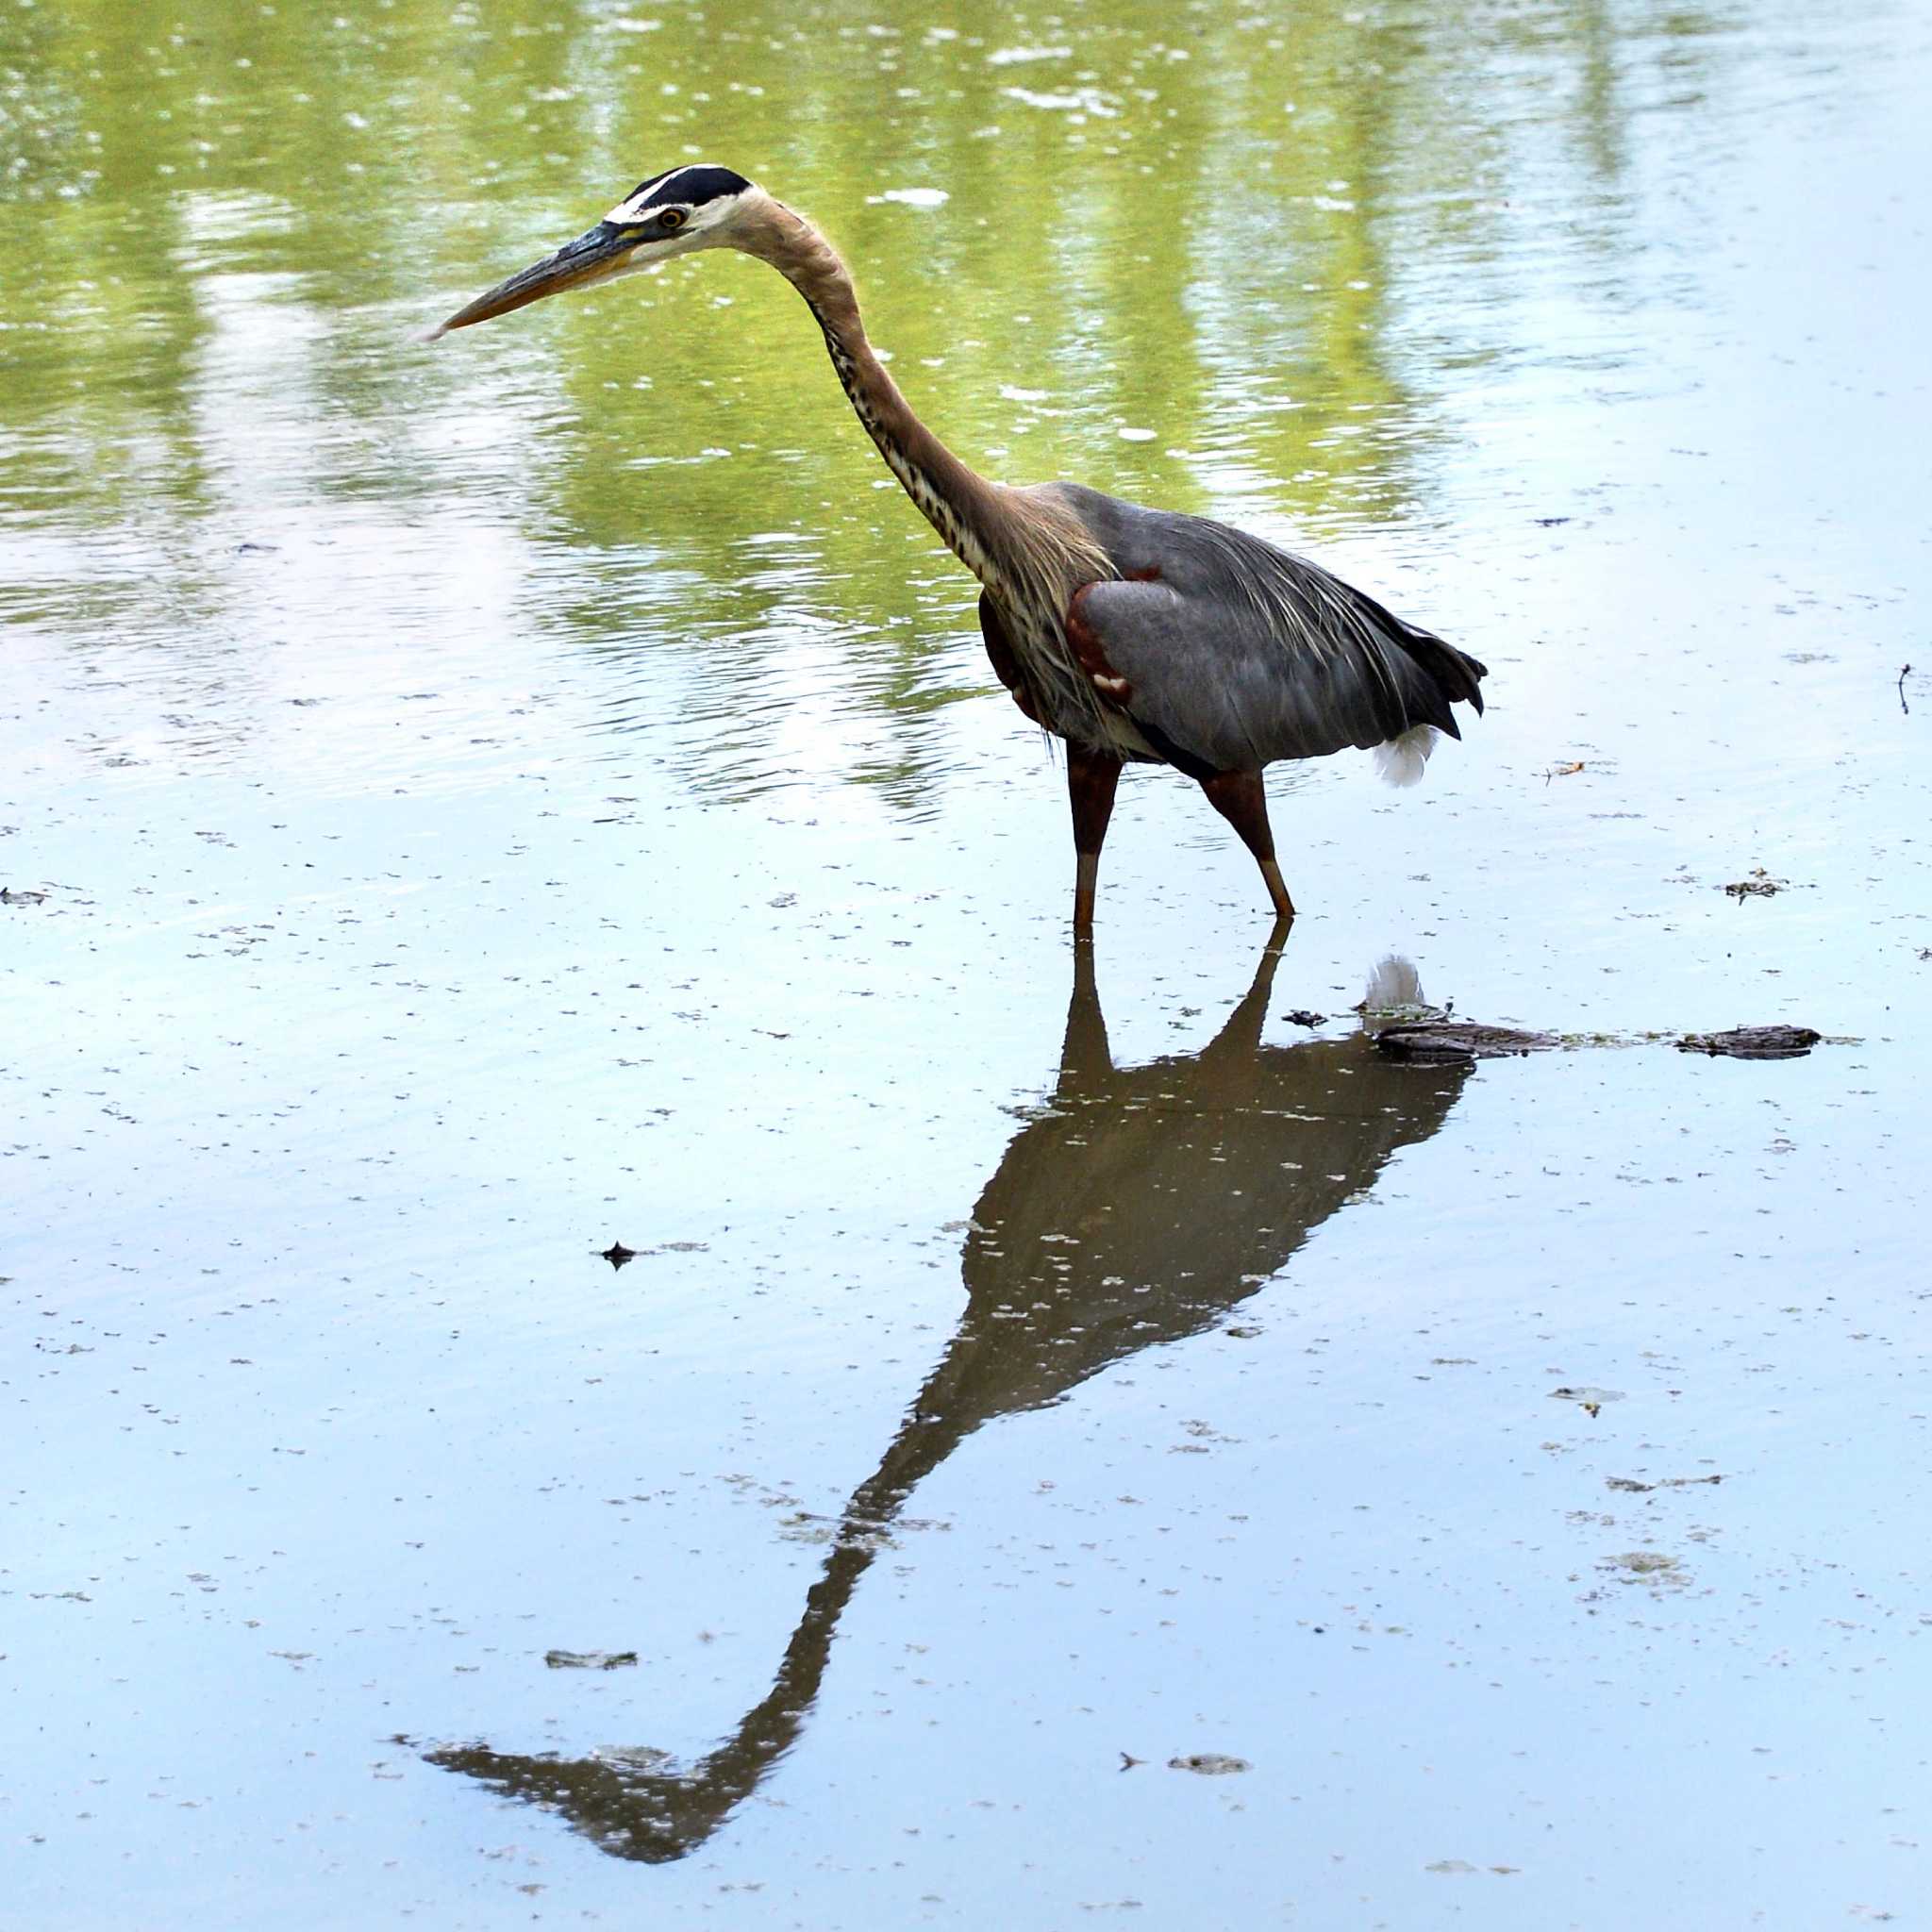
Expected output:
(1905, 672)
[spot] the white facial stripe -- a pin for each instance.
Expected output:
(658, 191)
(649, 200)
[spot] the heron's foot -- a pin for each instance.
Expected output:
(1277, 892)
(1241, 798)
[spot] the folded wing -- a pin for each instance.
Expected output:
(1234, 653)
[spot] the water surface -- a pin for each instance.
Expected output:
(495, 799)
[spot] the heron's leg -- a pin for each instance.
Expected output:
(1240, 799)
(1091, 777)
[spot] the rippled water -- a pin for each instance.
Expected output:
(465, 806)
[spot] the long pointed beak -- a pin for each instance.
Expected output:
(589, 259)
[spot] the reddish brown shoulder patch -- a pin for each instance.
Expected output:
(1091, 656)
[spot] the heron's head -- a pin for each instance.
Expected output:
(673, 214)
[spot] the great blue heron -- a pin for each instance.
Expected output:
(1138, 636)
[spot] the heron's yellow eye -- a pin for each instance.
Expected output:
(672, 218)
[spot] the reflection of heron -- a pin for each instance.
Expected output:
(1139, 1208)
(1138, 636)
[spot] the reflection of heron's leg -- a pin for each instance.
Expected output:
(1263, 983)
(1085, 1059)
(1240, 1039)
(1091, 777)
(1240, 799)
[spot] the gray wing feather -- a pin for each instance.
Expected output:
(1238, 653)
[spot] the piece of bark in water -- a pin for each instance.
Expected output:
(1459, 1040)
(1753, 1042)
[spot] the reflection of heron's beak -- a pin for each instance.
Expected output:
(590, 257)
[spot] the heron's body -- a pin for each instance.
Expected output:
(1217, 652)
(1138, 636)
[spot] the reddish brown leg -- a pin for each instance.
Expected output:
(1239, 798)
(1091, 777)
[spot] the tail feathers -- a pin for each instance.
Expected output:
(1402, 760)
(1457, 675)
(1446, 676)
(1430, 676)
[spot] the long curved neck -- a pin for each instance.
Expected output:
(966, 510)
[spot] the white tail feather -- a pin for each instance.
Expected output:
(1402, 759)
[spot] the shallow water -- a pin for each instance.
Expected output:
(497, 799)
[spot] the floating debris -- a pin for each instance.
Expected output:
(1753, 1042)
(1648, 1565)
(23, 897)
(1395, 994)
(617, 1253)
(589, 1659)
(1758, 885)
(1564, 771)
(1302, 1017)
(1208, 1763)
(1431, 1036)
(1630, 1486)
(1438, 1042)
(1589, 1400)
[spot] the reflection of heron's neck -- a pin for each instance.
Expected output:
(992, 1368)
(698, 1802)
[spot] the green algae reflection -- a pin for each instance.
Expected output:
(1217, 258)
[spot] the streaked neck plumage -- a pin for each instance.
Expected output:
(978, 522)
(1027, 548)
